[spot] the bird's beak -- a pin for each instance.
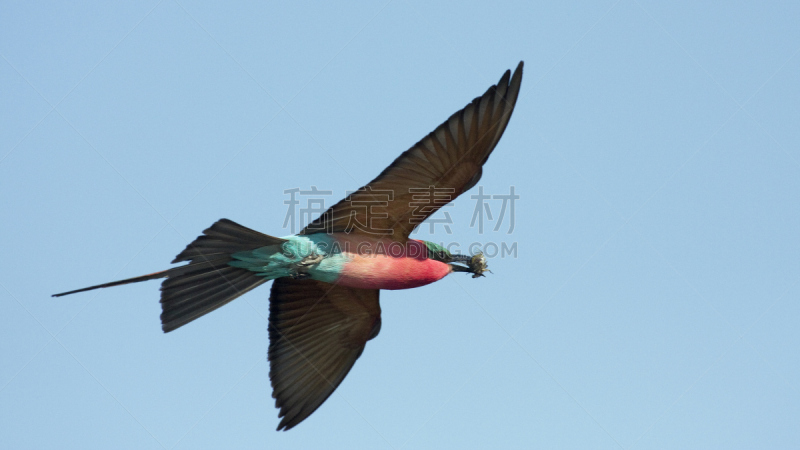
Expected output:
(476, 265)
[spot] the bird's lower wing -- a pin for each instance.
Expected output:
(317, 332)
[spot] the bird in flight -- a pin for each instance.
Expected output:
(324, 300)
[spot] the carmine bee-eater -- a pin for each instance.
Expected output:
(324, 300)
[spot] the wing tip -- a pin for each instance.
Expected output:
(287, 422)
(284, 426)
(516, 79)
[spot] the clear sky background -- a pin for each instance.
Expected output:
(653, 300)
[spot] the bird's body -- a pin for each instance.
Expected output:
(392, 266)
(324, 301)
(347, 260)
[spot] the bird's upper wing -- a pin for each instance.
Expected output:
(436, 170)
(317, 332)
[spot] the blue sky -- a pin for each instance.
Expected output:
(653, 300)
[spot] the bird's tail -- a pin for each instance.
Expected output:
(207, 282)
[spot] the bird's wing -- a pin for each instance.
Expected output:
(317, 332)
(436, 170)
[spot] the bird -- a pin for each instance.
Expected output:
(324, 301)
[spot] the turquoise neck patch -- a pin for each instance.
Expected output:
(437, 252)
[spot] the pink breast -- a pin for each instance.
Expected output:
(392, 269)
